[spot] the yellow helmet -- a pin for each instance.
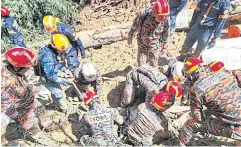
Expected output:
(50, 23)
(60, 42)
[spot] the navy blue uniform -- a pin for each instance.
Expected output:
(11, 27)
(204, 24)
(72, 56)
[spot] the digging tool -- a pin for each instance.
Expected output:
(79, 94)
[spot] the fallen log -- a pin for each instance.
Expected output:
(112, 3)
(97, 37)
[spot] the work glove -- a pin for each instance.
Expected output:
(212, 43)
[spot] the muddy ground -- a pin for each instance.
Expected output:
(114, 61)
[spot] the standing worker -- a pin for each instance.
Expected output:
(208, 19)
(153, 32)
(53, 25)
(11, 28)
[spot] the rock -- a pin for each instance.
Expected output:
(67, 129)
(58, 135)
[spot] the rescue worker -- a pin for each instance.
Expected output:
(11, 28)
(87, 77)
(219, 92)
(150, 119)
(53, 25)
(51, 64)
(17, 98)
(176, 7)
(153, 32)
(100, 120)
(208, 19)
(145, 77)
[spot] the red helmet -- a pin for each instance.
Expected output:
(20, 57)
(162, 101)
(174, 88)
(161, 7)
(192, 64)
(4, 11)
(216, 66)
(89, 96)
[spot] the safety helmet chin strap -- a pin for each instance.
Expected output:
(15, 69)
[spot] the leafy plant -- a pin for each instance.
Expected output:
(29, 15)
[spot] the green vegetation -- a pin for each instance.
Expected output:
(29, 15)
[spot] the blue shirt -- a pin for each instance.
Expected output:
(216, 18)
(70, 34)
(50, 65)
(11, 26)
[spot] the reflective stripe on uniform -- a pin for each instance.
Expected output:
(207, 12)
(223, 16)
(12, 32)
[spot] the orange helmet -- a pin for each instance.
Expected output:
(89, 96)
(174, 88)
(162, 101)
(20, 57)
(216, 66)
(161, 7)
(4, 11)
(192, 64)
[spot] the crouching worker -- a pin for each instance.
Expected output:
(220, 93)
(17, 98)
(10, 26)
(146, 77)
(100, 121)
(87, 76)
(150, 119)
(51, 62)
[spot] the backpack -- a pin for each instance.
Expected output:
(37, 68)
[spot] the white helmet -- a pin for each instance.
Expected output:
(89, 72)
(177, 71)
